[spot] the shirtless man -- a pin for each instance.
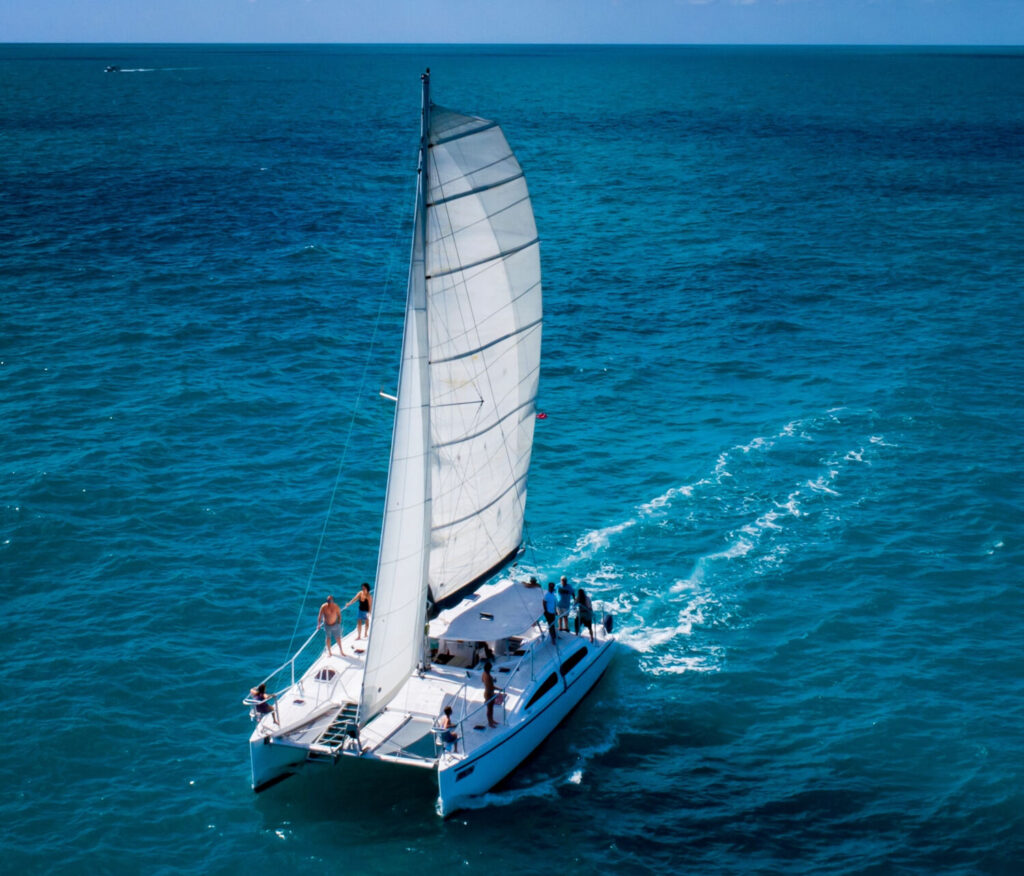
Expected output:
(330, 619)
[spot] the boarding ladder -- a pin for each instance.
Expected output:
(342, 729)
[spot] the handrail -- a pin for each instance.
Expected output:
(543, 633)
(288, 664)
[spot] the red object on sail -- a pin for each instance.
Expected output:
(542, 416)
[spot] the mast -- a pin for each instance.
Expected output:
(467, 387)
(396, 635)
(423, 188)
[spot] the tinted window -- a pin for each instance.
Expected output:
(549, 683)
(572, 661)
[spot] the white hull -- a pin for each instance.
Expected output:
(273, 760)
(542, 682)
(459, 780)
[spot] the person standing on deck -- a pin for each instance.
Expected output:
(489, 691)
(330, 619)
(584, 613)
(565, 595)
(551, 608)
(365, 604)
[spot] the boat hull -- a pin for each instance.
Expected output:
(273, 761)
(460, 780)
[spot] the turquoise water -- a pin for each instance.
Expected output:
(782, 363)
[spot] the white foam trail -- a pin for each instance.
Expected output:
(597, 539)
(758, 443)
(821, 485)
(545, 788)
(677, 665)
(548, 786)
(665, 499)
(791, 505)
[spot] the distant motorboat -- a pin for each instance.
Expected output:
(112, 68)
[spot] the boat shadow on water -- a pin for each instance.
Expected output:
(364, 793)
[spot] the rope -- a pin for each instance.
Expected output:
(344, 452)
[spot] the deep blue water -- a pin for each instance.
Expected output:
(782, 373)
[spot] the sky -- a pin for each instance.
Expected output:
(928, 22)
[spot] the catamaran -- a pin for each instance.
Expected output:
(445, 603)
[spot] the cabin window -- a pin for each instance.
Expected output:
(571, 663)
(459, 776)
(549, 683)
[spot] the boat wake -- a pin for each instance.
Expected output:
(550, 786)
(759, 503)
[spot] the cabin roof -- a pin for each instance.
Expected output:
(494, 612)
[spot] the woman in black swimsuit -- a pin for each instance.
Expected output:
(365, 604)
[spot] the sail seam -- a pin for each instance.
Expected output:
(493, 258)
(476, 191)
(496, 341)
(442, 140)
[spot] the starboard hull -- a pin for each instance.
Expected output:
(461, 780)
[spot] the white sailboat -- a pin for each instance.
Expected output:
(454, 509)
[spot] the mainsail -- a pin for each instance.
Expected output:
(463, 429)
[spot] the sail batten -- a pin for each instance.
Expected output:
(486, 126)
(476, 191)
(490, 344)
(529, 403)
(484, 261)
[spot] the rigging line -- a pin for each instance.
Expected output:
(344, 451)
(527, 542)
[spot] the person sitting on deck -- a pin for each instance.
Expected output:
(448, 735)
(263, 705)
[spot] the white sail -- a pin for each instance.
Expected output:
(399, 598)
(463, 429)
(484, 316)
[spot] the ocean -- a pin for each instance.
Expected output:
(782, 378)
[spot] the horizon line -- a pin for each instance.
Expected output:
(29, 42)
